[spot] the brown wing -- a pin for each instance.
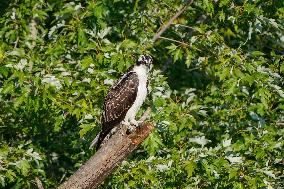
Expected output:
(119, 100)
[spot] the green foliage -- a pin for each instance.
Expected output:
(217, 104)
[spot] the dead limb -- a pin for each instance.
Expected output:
(39, 183)
(116, 149)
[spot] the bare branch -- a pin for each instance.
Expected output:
(173, 40)
(146, 115)
(182, 25)
(100, 165)
(39, 183)
(16, 42)
(33, 27)
(33, 32)
(165, 27)
(280, 123)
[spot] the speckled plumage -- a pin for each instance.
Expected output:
(125, 98)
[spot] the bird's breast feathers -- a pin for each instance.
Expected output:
(141, 72)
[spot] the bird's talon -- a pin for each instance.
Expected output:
(125, 123)
(130, 129)
(135, 123)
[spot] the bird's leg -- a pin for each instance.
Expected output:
(125, 122)
(135, 122)
(113, 130)
(130, 127)
(131, 123)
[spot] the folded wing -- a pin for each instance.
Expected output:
(118, 101)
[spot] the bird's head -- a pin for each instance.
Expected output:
(146, 60)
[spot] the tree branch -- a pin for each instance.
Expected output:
(100, 165)
(173, 40)
(166, 26)
(33, 27)
(39, 183)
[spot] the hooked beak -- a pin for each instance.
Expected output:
(150, 67)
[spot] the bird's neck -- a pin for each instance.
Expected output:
(141, 71)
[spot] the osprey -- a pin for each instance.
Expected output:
(124, 99)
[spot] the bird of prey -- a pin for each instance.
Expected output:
(124, 99)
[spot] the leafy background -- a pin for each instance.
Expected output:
(216, 96)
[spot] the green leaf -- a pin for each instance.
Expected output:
(233, 174)
(153, 143)
(58, 123)
(128, 44)
(257, 53)
(82, 40)
(282, 67)
(19, 100)
(84, 129)
(8, 88)
(177, 55)
(11, 175)
(190, 167)
(2, 180)
(24, 167)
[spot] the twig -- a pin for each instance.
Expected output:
(192, 69)
(146, 115)
(165, 27)
(33, 32)
(280, 123)
(16, 42)
(169, 39)
(185, 26)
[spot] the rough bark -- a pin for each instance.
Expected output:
(39, 183)
(100, 165)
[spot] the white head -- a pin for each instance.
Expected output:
(146, 60)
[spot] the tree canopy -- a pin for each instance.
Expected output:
(216, 90)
